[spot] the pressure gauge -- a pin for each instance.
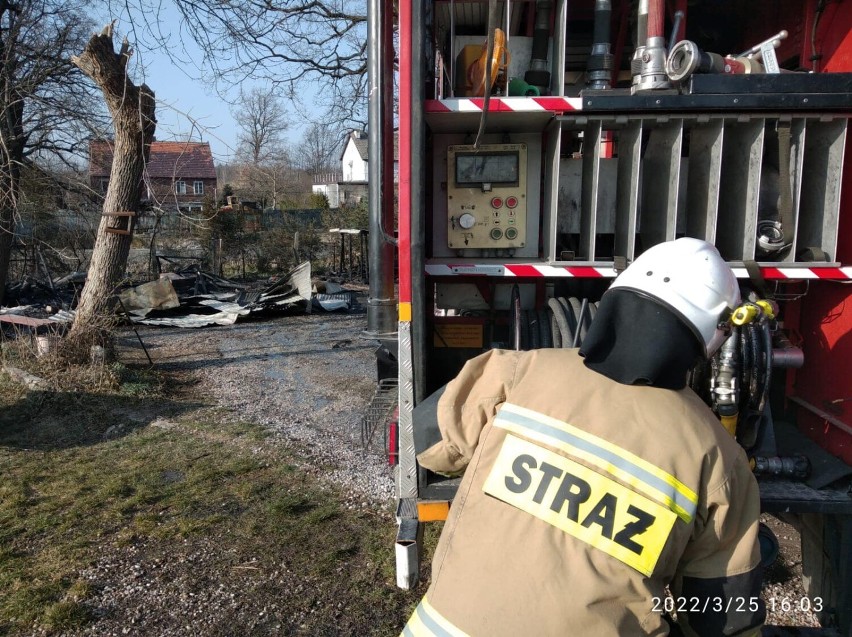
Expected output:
(467, 221)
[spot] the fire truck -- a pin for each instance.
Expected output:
(544, 144)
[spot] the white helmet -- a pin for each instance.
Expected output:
(690, 277)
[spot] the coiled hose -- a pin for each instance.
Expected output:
(561, 323)
(748, 382)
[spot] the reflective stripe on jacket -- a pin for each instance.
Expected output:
(427, 622)
(582, 499)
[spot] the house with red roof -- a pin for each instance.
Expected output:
(177, 179)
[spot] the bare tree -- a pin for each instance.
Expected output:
(264, 162)
(132, 110)
(273, 184)
(262, 122)
(54, 227)
(299, 47)
(43, 98)
(319, 151)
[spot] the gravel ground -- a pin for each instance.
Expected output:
(308, 379)
(786, 601)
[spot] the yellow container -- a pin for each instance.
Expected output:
(469, 54)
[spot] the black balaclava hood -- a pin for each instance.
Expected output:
(635, 340)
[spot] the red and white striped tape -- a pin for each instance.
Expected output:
(532, 270)
(505, 105)
(518, 270)
(828, 273)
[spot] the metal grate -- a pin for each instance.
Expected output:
(709, 175)
(380, 411)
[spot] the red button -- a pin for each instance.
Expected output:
(512, 202)
(496, 202)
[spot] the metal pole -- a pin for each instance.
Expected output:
(599, 67)
(362, 264)
(652, 67)
(365, 255)
(350, 258)
(381, 304)
(419, 330)
(133, 327)
(453, 69)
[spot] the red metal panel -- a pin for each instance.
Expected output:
(834, 38)
(805, 41)
(404, 245)
(829, 437)
(825, 381)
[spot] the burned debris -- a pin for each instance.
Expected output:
(189, 297)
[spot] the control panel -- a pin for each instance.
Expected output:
(487, 196)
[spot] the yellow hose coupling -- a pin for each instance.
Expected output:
(769, 308)
(745, 314)
(748, 312)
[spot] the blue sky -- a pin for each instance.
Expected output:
(187, 107)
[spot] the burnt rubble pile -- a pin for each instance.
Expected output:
(189, 297)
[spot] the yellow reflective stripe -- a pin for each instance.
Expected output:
(442, 622)
(415, 627)
(425, 621)
(583, 503)
(628, 467)
(405, 312)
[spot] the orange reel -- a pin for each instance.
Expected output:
(500, 59)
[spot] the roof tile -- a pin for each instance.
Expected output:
(168, 160)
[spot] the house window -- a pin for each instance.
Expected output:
(198, 187)
(180, 187)
(104, 185)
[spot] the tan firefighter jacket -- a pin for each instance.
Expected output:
(581, 501)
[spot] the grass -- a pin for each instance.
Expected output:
(68, 367)
(71, 491)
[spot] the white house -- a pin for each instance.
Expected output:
(326, 184)
(353, 160)
(350, 186)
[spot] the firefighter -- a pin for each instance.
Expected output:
(595, 480)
